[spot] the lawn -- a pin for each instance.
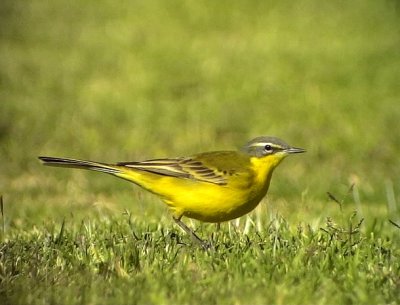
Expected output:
(137, 80)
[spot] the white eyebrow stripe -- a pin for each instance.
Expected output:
(263, 144)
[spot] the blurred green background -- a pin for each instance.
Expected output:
(131, 80)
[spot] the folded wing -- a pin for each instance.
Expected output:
(188, 168)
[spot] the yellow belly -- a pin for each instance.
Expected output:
(202, 200)
(206, 201)
(212, 203)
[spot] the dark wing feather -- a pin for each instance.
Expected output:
(188, 168)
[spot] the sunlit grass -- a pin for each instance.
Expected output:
(117, 260)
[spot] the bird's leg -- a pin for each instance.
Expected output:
(189, 231)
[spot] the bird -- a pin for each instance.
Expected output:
(213, 187)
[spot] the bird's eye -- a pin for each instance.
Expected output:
(268, 148)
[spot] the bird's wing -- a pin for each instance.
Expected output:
(189, 168)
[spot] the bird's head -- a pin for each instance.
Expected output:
(270, 148)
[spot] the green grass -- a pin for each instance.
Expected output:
(118, 261)
(145, 79)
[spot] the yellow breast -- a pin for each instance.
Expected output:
(217, 203)
(211, 202)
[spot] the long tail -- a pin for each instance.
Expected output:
(83, 164)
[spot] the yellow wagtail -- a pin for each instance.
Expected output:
(213, 186)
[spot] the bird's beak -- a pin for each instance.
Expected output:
(294, 150)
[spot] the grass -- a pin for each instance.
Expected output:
(127, 260)
(118, 261)
(148, 79)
